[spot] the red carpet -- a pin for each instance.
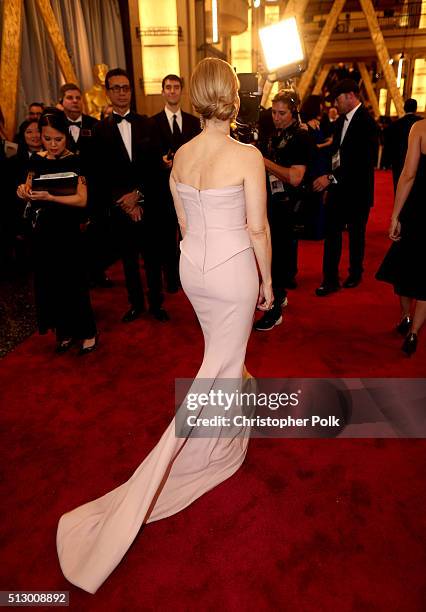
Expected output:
(304, 525)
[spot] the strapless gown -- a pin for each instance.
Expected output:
(219, 275)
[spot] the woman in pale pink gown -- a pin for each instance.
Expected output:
(218, 187)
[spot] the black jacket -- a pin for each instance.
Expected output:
(190, 128)
(355, 176)
(116, 174)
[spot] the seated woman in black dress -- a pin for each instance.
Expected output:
(404, 264)
(60, 270)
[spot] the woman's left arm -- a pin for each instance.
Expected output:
(78, 199)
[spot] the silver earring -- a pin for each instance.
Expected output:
(202, 123)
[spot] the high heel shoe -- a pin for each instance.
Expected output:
(84, 350)
(404, 325)
(409, 345)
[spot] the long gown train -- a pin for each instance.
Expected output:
(219, 275)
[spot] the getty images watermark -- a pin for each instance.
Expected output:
(307, 408)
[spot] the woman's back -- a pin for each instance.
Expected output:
(212, 161)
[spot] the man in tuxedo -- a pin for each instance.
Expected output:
(80, 125)
(128, 161)
(174, 128)
(350, 186)
(398, 133)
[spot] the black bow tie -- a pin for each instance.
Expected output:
(120, 118)
(76, 123)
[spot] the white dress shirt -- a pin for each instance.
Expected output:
(347, 121)
(74, 129)
(170, 116)
(125, 129)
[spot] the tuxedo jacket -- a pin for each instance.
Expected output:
(355, 176)
(84, 145)
(117, 174)
(190, 128)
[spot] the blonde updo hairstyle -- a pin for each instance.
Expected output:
(214, 90)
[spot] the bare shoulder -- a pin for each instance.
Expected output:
(419, 128)
(249, 153)
(182, 154)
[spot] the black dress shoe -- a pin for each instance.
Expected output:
(326, 289)
(132, 314)
(101, 281)
(269, 320)
(160, 314)
(84, 350)
(403, 326)
(64, 345)
(409, 345)
(105, 282)
(351, 282)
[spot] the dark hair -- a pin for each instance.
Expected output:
(290, 99)
(54, 118)
(68, 87)
(410, 105)
(22, 145)
(171, 77)
(311, 108)
(40, 104)
(345, 86)
(115, 72)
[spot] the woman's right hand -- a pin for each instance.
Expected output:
(23, 191)
(395, 230)
(266, 297)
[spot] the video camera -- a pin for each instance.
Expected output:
(248, 116)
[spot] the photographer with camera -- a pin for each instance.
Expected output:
(287, 151)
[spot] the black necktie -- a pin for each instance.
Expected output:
(176, 129)
(120, 118)
(76, 123)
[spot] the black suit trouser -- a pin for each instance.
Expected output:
(284, 247)
(134, 239)
(336, 218)
(169, 244)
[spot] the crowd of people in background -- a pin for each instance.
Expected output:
(319, 163)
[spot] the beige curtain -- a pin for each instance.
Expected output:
(92, 33)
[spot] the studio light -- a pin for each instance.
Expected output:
(282, 49)
(215, 23)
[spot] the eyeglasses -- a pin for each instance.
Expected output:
(117, 88)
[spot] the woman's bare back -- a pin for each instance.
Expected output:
(212, 161)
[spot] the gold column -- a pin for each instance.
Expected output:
(369, 88)
(57, 41)
(383, 55)
(10, 62)
(320, 45)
